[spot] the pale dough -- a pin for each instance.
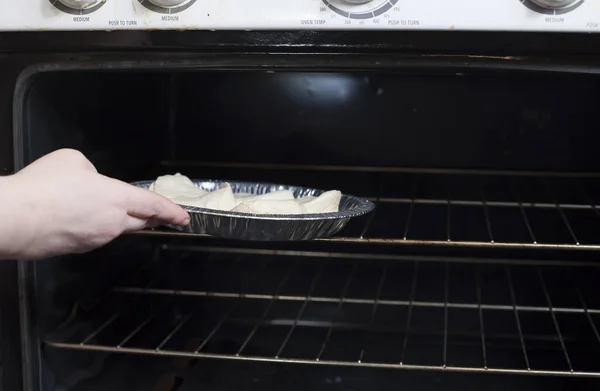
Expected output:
(270, 207)
(178, 188)
(327, 202)
(220, 199)
(181, 190)
(279, 195)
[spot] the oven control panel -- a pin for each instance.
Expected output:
(479, 15)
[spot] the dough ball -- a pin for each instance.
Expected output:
(327, 202)
(266, 207)
(176, 188)
(181, 190)
(280, 195)
(220, 199)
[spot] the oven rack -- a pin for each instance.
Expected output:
(440, 207)
(468, 316)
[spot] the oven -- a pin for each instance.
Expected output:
(473, 126)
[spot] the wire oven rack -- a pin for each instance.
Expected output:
(427, 313)
(447, 207)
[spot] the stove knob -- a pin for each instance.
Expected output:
(553, 4)
(167, 3)
(79, 4)
(357, 1)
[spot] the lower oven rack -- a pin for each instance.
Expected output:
(443, 207)
(424, 314)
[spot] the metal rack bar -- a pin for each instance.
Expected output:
(350, 300)
(368, 224)
(413, 289)
(311, 289)
(116, 315)
(374, 311)
(220, 324)
(556, 326)
(588, 199)
(359, 331)
(338, 309)
(110, 320)
(473, 203)
(379, 169)
(380, 257)
(584, 305)
(411, 209)
(486, 213)
(186, 318)
(136, 330)
(172, 353)
(446, 299)
(448, 217)
(177, 328)
(228, 314)
(566, 221)
(396, 241)
(518, 320)
(562, 213)
(77, 306)
(268, 307)
(524, 214)
(364, 327)
(481, 324)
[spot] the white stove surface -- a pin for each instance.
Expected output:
(482, 15)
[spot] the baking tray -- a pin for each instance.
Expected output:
(244, 226)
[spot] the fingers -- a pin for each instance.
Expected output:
(146, 205)
(135, 224)
(153, 223)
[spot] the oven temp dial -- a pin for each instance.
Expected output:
(167, 3)
(167, 6)
(78, 7)
(360, 9)
(552, 7)
(79, 4)
(554, 3)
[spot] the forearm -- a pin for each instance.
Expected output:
(12, 218)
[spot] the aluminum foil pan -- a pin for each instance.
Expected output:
(244, 226)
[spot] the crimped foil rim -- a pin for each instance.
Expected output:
(362, 206)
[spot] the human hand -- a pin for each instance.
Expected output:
(59, 204)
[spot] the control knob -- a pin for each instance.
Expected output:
(167, 3)
(79, 4)
(554, 4)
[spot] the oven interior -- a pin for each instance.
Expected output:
(479, 267)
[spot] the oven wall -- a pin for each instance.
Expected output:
(136, 125)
